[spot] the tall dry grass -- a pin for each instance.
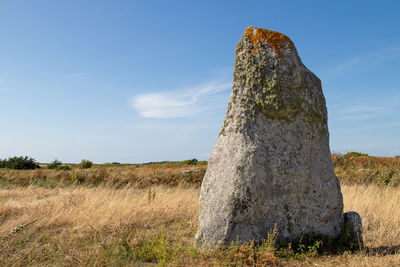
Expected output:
(97, 208)
(379, 208)
(89, 225)
(104, 226)
(140, 177)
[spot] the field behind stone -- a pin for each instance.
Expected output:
(147, 215)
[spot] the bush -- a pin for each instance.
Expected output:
(354, 154)
(57, 165)
(77, 178)
(63, 168)
(54, 164)
(388, 177)
(85, 164)
(19, 163)
(189, 162)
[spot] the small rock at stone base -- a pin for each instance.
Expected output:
(353, 220)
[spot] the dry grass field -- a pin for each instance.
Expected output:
(53, 219)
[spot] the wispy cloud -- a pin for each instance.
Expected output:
(75, 74)
(176, 104)
(374, 105)
(384, 125)
(369, 59)
(360, 112)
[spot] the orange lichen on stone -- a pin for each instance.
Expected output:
(275, 39)
(319, 84)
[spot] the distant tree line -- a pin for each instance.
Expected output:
(19, 163)
(183, 162)
(28, 163)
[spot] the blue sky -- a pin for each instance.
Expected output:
(139, 81)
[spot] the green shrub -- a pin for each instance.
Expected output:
(19, 163)
(389, 177)
(63, 168)
(189, 162)
(57, 165)
(354, 154)
(54, 164)
(85, 164)
(153, 249)
(77, 178)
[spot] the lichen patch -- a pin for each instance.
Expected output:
(275, 39)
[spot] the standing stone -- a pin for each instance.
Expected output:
(271, 164)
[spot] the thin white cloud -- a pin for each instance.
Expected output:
(177, 103)
(371, 58)
(356, 117)
(379, 107)
(364, 109)
(360, 112)
(75, 74)
(384, 125)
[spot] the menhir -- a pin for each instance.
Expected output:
(271, 165)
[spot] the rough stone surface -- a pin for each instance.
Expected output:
(353, 221)
(271, 163)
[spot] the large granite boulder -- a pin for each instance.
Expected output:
(271, 164)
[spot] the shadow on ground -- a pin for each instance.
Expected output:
(383, 250)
